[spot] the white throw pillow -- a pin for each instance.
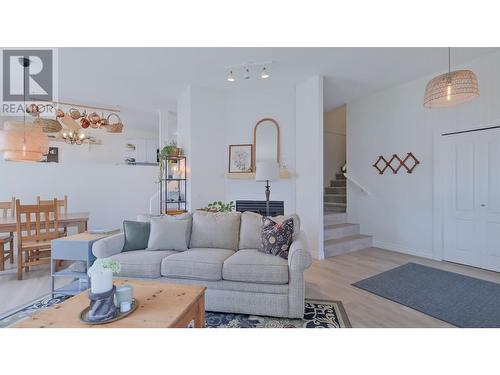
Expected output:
(169, 233)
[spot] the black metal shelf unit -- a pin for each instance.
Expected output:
(173, 184)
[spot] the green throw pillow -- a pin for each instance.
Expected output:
(136, 235)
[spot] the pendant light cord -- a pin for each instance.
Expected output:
(24, 103)
(449, 60)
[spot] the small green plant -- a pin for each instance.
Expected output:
(219, 206)
(104, 263)
(170, 149)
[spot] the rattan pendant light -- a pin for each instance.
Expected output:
(452, 88)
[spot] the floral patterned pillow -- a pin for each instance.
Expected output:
(276, 238)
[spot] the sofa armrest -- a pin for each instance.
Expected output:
(106, 247)
(299, 256)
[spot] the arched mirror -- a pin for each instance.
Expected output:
(266, 141)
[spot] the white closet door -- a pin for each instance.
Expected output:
(489, 192)
(472, 199)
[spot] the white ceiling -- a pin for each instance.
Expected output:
(149, 79)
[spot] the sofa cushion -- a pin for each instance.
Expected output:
(201, 264)
(251, 227)
(168, 232)
(250, 265)
(136, 235)
(218, 230)
(141, 263)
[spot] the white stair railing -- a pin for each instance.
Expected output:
(361, 187)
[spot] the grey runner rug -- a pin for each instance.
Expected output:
(457, 299)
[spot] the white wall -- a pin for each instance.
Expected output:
(400, 211)
(243, 109)
(201, 135)
(334, 151)
(309, 165)
(111, 193)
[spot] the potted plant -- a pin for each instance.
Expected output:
(219, 206)
(170, 150)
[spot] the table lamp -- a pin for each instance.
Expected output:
(267, 171)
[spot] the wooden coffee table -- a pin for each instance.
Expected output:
(161, 305)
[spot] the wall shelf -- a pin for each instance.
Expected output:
(284, 174)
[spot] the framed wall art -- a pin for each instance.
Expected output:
(240, 158)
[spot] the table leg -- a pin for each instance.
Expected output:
(82, 227)
(199, 320)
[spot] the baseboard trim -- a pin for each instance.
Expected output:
(402, 248)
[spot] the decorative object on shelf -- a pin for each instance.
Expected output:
(219, 206)
(102, 290)
(267, 171)
(76, 118)
(170, 150)
(48, 125)
(75, 137)
(52, 156)
(266, 141)
(23, 143)
(382, 164)
(173, 183)
(452, 88)
(84, 122)
(240, 158)
(245, 69)
(113, 127)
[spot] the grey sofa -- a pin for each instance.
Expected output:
(223, 256)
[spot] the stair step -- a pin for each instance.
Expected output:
(338, 183)
(335, 198)
(339, 176)
(346, 244)
(336, 231)
(330, 218)
(335, 190)
(334, 207)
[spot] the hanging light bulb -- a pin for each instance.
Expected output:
(247, 74)
(230, 77)
(264, 74)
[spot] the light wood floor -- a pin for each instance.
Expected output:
(332, 278)
(327, 279)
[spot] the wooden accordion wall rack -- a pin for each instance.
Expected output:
(409, 163)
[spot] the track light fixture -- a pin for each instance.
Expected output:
(245, 70)
(264, 74)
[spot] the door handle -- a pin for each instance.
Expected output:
(483, 205)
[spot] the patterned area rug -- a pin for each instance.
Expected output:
(318, 314)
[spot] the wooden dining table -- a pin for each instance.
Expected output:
(78, 220)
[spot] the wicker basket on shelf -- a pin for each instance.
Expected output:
(48, 125)
(113, 127)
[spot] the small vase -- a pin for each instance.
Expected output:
(101, 280)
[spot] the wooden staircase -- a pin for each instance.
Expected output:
(340, 236)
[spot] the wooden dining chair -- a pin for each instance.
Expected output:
(7, 209)
(62, 207)
(37, 226)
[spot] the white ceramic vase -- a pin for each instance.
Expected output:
(101, 280)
